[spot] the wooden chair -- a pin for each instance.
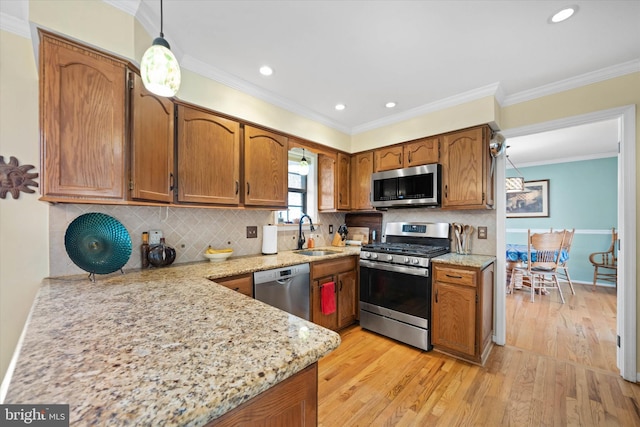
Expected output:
(605, 264)
(563, 270)
(541, 274)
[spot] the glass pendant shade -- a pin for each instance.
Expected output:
(514, 185)
(160, 69)
(304, 165)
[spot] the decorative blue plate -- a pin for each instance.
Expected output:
(97, 243)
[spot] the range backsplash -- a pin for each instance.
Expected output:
(191, 230)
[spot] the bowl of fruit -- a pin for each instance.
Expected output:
(217, 255)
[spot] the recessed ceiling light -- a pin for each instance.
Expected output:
(340, 107)
(265, 70)
(390, 104)
(563, 14)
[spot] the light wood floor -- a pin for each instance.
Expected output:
(558, 368)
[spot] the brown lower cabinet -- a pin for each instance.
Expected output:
(343, 272)
(291, 403)
(242, 283)
(462, 311)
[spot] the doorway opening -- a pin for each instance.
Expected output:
(626, 292)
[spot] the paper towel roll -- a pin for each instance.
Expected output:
(269, 239)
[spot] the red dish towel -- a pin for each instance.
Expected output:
(328, 297)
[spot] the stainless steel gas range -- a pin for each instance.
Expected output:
(395, 281)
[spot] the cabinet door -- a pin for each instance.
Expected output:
(361, 170)
(343, 185)
(463, 169)
(152, 119)
(265, 168)
(388, 158)
(208, 158)
(347, 297)
(329, 321)
(454, 317)
(326, 182)
(421, 152)
(242, 283)
(83, 127)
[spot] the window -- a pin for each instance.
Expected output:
(302, 190)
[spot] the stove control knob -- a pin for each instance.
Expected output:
(406, 260)
(374, 256)
(414, 261)
(389, 257)
(367, 255)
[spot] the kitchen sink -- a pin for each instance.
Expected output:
(309, 252)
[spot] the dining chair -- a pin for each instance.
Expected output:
(605, 264)
(543, 259)
(563, 270)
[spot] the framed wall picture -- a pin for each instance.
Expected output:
(533, 202)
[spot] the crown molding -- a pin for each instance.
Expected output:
(472, 95)
(129, 6)
(248, 88)
(607, 73)
(567, 160)
(15, 25)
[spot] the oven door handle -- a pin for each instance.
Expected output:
(395, 268)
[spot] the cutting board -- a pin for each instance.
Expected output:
(359, 233)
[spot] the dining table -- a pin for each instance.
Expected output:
(517, 255)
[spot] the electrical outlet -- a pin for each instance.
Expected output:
(252, 231)
(482, 232)
(330, 228)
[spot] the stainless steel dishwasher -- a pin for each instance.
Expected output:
(285, 288)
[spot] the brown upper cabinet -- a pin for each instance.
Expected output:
(265, 168)
(208, 150)
(466, 169)
(361, 170)
(414, 153)
(343, 185)
(152, 160)
(327, 183)
(83, 122)
(334, 182)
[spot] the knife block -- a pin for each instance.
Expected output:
(337, 240)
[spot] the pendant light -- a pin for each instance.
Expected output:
(514, 184)
(159, 67)
(304, 165)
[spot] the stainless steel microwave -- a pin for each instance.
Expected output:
(408, 187)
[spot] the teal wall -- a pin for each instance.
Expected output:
(582, 195)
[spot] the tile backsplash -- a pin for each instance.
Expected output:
(188, 230)
(191, 230)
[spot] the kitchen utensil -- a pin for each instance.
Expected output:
(97, 243)
(457, 229)
(162, 255)
(343, 231)
(468, 230)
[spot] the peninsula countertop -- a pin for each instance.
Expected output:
(161, 346)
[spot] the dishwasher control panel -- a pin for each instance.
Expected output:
(280, 273)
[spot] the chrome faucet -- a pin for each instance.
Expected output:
(301, 238)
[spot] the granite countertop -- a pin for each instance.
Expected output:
(475, 261)
(161, 346)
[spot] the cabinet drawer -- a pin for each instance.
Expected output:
(333, 266)
(455, 275)
(242, 283)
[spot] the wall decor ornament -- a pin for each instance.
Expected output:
(530, 203)
(14, 178)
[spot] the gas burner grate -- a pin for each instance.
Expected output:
(407, 249)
